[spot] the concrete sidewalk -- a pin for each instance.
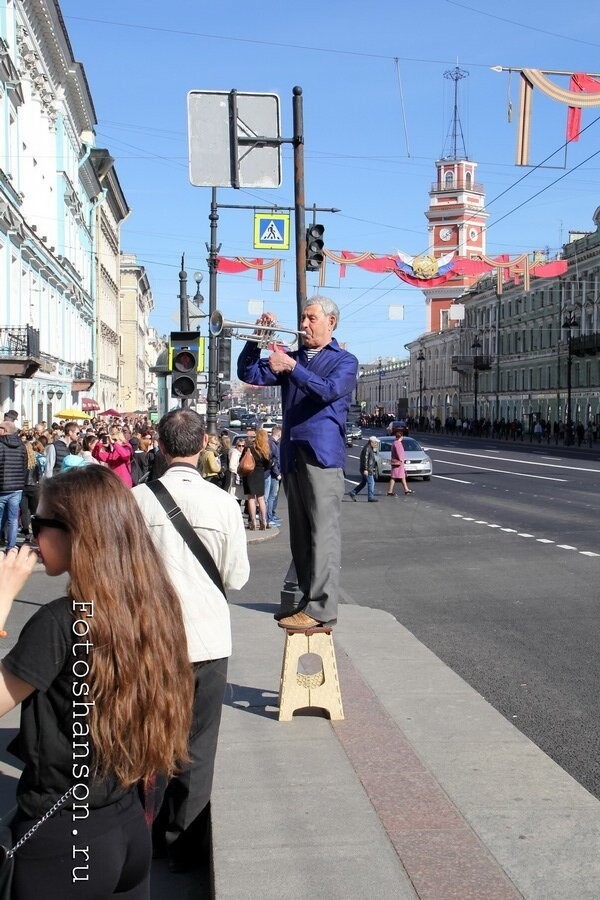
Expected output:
(423, 791)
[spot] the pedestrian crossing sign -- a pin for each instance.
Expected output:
(271, 231)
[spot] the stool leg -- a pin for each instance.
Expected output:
(292, 696)
(328, 696)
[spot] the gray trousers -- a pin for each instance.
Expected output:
(314, 497)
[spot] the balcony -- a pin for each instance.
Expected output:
(586, 344)
(20, 352)
(475, 186)
(469, 363)
(83, 376)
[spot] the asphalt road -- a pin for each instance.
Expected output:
(494, 566)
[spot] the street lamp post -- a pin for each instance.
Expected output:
(476, 347)
(570, 322)
(379, 388)
(420, 360)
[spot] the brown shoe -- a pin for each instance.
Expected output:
(299, 622)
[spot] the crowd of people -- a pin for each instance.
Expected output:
(130, 448)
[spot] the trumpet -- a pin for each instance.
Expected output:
(263, 335)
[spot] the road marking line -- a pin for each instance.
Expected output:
(450, 462)
(523, 534)
(457, 480)
(525, 462)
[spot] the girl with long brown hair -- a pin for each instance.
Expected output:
(254, 483)
(106, 690)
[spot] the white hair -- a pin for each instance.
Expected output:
(329, 307)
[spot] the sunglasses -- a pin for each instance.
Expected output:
(38, 522)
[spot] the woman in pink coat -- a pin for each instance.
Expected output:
(398, 473)
(115, 452)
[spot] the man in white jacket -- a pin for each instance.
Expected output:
(216, 518)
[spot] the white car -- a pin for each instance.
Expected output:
(416, 465)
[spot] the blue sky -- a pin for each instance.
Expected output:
(377, 110)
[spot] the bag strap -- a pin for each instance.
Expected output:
(181, 524)
(28, 834)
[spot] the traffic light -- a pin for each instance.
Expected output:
(186, 359)
(314, 247)
(224, 357)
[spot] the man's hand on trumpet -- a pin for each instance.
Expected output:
(266, 320)
(281, 362)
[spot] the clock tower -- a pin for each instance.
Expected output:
(456, 216)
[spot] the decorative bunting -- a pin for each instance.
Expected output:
(428, 271)
(233, 265)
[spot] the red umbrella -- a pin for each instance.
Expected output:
(110, 412)
(88, 404)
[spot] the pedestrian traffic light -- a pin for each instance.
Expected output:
(186, 359)
(224, 357)
(314, 247)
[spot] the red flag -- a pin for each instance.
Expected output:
(584, 84)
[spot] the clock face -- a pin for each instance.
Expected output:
(445, 234)
(473, 234)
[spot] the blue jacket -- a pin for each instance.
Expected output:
(315, 399)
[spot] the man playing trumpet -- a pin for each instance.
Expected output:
(316, 383)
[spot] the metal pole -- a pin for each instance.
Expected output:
(569, 361)
(300, 227)
(475, 385)
(184, 318)
(212, 398)
(420, 393)
(379, 388)
(183, 308)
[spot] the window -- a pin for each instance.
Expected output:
(468, 178)
(449, 179)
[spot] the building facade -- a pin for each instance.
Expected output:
(135, 306)
(111, 211)
(48, 192)
(519, 355)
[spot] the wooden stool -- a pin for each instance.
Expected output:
(320, 689)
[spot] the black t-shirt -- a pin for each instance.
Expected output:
(55, 757)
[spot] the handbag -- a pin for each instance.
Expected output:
(247, 463)
(8, 850)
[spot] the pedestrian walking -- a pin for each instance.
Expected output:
(368, 470)
(398, 472)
